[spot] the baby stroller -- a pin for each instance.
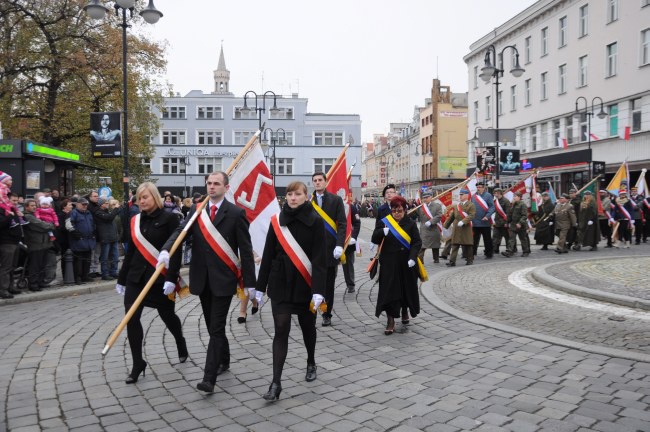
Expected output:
(19, 275)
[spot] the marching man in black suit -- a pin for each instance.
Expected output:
(222, 258)
(331, 209)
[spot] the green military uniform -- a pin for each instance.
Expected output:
(572, 235)
(462, 235)
(518, 215)
(565, 219)
(500, 228)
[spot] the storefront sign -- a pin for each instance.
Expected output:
(199, 152)
(10, 148)
(41, 150)
(453, 114)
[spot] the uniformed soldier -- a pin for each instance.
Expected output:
(500, 228)
(518, 222)
(565, 219)
(603, 220)
(575, 201)
(462, 235)
(429, 228)
(588, 227)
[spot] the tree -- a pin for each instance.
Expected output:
(57, 66)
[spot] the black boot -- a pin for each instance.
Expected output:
(436, 256)
(274, 392)
(182, 350)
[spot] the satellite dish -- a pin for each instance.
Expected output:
(49, 166)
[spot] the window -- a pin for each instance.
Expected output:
(612, 10)
(280, 139)
(583, 24)
(544, 41)
(635, 107)
(328, 138)
(488, 108)
(527, 50)
(569, 129)
(556, 132)
(500, 103)
(173, 165)
(173, 137)
(475, 112)
(582, 71)
(207, 165)
(209, 112)
(542, 86)
(543, 135)
(282, 166)
(173, 112)
(145, 162)
(513, 98)
(533, 138)
(645, 46)
(611, 59)
(251, 114)
(281, 114)
(583, 127)
(209, 137)
(527, 92)
(613, 119)
(242, 137)
(561, 74)
(562, 31)
(323, 164)
(475, 76)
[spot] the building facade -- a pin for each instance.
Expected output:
(204, 132)
(578, 56)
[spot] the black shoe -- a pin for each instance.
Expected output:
(13, 290)
(311, 373)
(222, 368)
(241, 320)
(35, 289)
(525, 254)
(350, 290)
(444, 257)
(107, 278)
(274, 392)
(506, 254)
(558, 251)
(135, 373)
(6, 295)
(593, 248)
(205, 386)
(637, 242)
(576, 248)
(87, 279)
(182, 351)
(609, 246)
(469, 263)
(327, 321)
(254, 310)
(451, 264)
(544, 247)
(435, 261)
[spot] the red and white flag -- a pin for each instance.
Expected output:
(593, 137)
(562, 142)
(337, 184)
(251, 188)
(471, 186)
(626, 133)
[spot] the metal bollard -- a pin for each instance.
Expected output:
(68, 259)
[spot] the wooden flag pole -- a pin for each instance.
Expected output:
(177, 243)
(461, 184)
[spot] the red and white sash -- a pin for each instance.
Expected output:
(499, 209)
(462, 212)
(219, 245)
(291, 247)
(427, 212)
(625, 212)
(149, 252)
(481, 202)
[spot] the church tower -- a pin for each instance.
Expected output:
(222, 77)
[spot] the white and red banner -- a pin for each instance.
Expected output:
(337, 184)
(562, 142)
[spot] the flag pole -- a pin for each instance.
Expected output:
(337, 162)
(587, 185)
(461, 184)
(177, 243)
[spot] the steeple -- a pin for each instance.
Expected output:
(222, 76)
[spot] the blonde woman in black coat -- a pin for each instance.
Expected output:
(291, 288)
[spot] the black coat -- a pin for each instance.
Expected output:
(136, 271)
(104, 227)
(382, 212)
(277, 272)
(207, 270)
(335, 208)
(398, 284)
(356, 226)
(545, 233)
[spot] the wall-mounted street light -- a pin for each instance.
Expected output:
(589, 114)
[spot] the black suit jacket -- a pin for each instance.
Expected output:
(335, 208)
(356, 226)
(207, 270)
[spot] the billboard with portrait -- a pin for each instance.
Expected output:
(509, 162)
(486, 160)
(106, 134)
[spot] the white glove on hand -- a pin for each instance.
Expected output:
(317, 299)
(120, 289)
(373, 247)
(251, 293)
(352, 241)
(461, 223)
(386, 231)
(427, 224)
(259, 296)
(550, 223)
(169, 288)
(590, 222)
(411, 263)
(163, 258)
(338, 251)
(611, 220)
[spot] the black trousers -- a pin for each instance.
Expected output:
(215, 312)
(36, 266)
(81, 265)
(348, 267)
(638, 230)
(329, 289)
(606, 230)
(486, 233)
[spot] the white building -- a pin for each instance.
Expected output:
(575, 53)
(203, 132)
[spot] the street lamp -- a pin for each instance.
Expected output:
(151, 15)
(274, 141)
(185, 162)
(579, 113)
(245, 109)
(489, 71)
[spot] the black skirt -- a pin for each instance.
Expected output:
(283, 307)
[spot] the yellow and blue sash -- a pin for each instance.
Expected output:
(330, 225)
(397, 231)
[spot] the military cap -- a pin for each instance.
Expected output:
(545, 194)
(587, 192)
(388, 186)
(572, 190)
(426, 194)
(519, 194)
(498, 190)
(480, 183)
(564, 195)
(464, 192)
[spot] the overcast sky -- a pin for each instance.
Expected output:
(375, 58)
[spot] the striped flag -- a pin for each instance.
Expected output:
(562, 142)
(626, 133)
(593, 137)
(551, 193)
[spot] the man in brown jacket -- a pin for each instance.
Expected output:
(565, 219)
(462, 235)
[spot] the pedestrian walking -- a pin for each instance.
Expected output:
(588, 227)
(564, 218)
(461, 218)
(430, 216)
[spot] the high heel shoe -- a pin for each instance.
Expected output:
(241, 320)
(274, 392)
(182, 351)
(135, 373)
(254, 309)
(390, 326)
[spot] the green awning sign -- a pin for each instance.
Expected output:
(49, 151)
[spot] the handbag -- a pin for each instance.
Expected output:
(373, 267)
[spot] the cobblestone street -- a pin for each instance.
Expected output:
(484, 355)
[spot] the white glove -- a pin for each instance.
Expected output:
(611, 220)
(317, 299)
(631, 221)
(550, 223)
(427, 224)
(338, 251)
(251, 293)
(352, 241)
(259, 296)
(163, 258)
(120, 289)
(386, 231)
(169, 288)
(373, 247)
(590, 222)
(461, 223)
(411, 263)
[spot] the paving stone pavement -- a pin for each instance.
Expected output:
(439, 373)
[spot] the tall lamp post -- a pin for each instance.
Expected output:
(274, 141)
(151, 15)
(185, 162)
(246, 109)
(489, 71)
(589, 114)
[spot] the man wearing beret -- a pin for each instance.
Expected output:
(565, 219)
(484, 204)
(461, 217)
(518, 220)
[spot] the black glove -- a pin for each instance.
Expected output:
(76, 235)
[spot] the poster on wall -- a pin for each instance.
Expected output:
(509, 161)
(33, 179)
(485, 160)
(106, 134)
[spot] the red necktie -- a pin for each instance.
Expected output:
(213, 211)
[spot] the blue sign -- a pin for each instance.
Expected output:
(105, 192)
